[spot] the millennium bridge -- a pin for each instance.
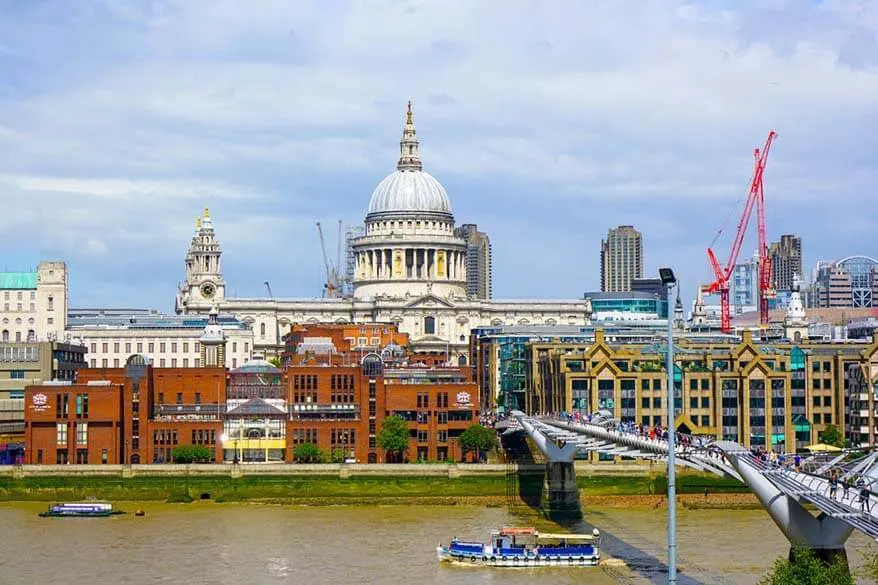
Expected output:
(783, 490)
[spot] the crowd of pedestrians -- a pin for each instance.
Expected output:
(838, 478)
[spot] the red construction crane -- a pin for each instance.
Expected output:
(721, 284)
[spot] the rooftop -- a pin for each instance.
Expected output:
(80, 319)
(18, 281)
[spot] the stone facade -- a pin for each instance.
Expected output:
(410, 268)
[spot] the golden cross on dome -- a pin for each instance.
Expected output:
(408, 115)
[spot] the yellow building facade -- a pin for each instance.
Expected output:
(775, 395)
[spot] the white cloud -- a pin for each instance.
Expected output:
(268, 110)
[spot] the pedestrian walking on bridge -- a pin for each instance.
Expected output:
(833, 486)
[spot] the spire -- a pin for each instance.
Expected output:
(409, 147)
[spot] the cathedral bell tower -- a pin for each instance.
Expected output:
(204, 285)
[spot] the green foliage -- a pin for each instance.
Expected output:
(191, 454)
(478, 439)
(276, 362)
(870, 566)
(393, 436)
(806, 569)
(308, 453)
(338, 456)
(831, 435)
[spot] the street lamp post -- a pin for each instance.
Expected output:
(669, 280)
(225, 438)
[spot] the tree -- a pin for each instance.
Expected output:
(276, 361)
(191, 454)
(805, 568)
(308, 453)
(831, 435)
(394, 436)
(478, 439)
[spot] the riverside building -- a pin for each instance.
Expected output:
(776, 395)
(334, 393)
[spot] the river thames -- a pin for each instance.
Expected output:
(213, 543)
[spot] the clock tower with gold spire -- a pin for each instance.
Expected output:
(204, 285)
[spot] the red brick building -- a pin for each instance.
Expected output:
(334, 396)
(136, 414)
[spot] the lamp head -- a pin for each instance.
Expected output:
(224, 438)
(667, 276)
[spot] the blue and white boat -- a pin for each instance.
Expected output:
(526, 547)
(81, 510)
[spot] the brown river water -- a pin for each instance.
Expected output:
(213, 543)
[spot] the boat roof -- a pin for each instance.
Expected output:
(512, 531)
(551, 536)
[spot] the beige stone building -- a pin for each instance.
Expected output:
(409, 267)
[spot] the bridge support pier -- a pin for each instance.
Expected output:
(560, 498)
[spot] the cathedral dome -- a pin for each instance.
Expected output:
(409, 190)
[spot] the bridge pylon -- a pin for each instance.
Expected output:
(560, 497)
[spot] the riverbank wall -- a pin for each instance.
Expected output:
(334, 484)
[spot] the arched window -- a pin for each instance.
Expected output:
(51, 303)
(262, 329)
(429, 325)
(461, 361)
(6, 335)
(31, 336)
(372, 365)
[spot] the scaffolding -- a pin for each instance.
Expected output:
(352, 232)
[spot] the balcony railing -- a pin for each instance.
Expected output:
(188, 411)
(313, 411)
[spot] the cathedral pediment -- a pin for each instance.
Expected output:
(428, 301)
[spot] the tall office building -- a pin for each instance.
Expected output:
(745, 285)
(621, 259)
(478, 260)
(786, 261)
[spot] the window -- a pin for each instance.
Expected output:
(180, 398)
(430, 325)
(162, 347)
(198, 398)
(17, 374)
(115, 362)
(31, 336)
(105, 347)
(234, 347)
(262, 329)
(82, 433)
(173, 362)
(105, 363)
(61, 433)
(185, 362)
(51, 303)
(185, 347)
(127, 350)
(150, 347)
(173, 347)
(116, 347)
(139, 347)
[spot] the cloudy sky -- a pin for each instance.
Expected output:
(547, 122)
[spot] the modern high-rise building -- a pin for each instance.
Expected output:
(786, 261)
(478, 260)
(621, 259)
(850, 282)
(744, 285)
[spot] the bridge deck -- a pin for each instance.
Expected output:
(724, 459)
